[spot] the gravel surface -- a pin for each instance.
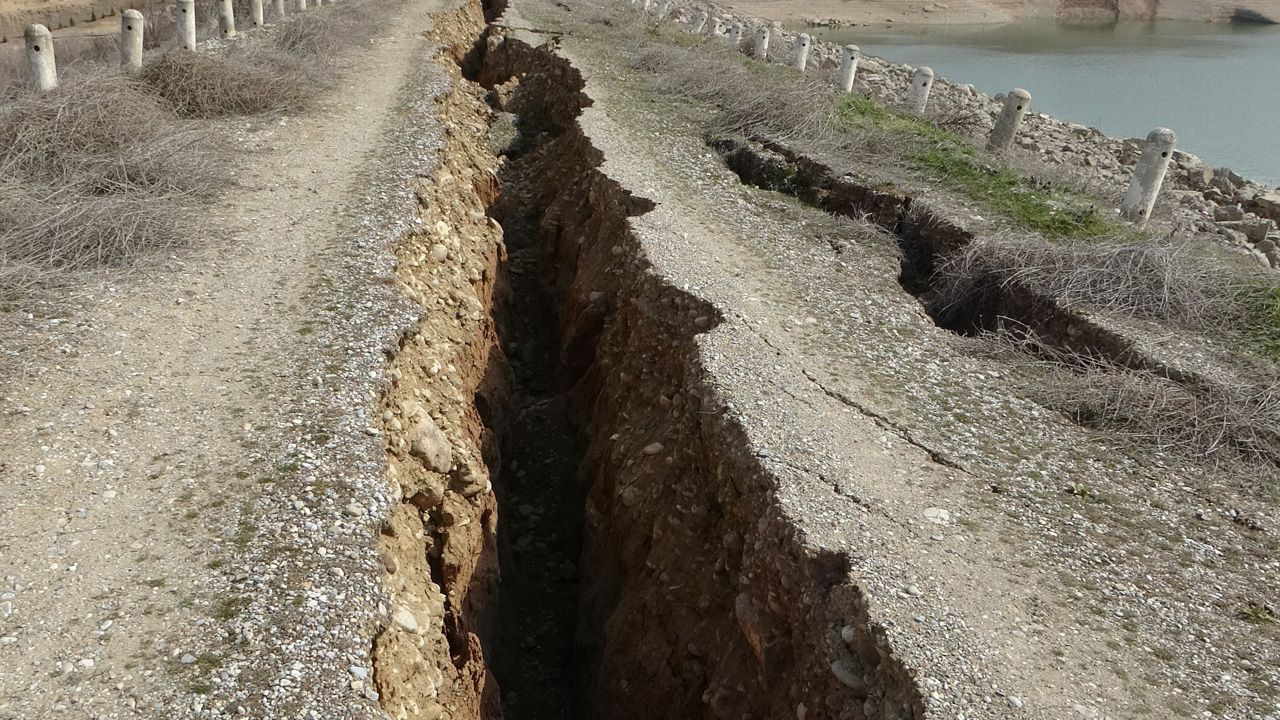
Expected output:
(1008, 589)
(189, 479)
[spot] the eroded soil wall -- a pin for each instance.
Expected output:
(592, 533)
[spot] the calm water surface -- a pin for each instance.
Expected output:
(1217, 86)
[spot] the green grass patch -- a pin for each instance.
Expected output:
(954, 162)
(1263, 305)
(230, 608)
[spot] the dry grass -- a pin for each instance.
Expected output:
(1157, 280)
(95, 175)
(102, 135)
(1089, 261)
(751, 100)
(91, 177)
(1222, 422)
(320, 35)
(239, 82)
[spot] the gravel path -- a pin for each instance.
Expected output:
(153, 445)
(1009, 590)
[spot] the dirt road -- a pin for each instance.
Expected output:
(161, 447)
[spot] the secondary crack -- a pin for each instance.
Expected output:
(935, 455)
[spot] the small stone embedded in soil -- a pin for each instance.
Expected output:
(653, 448)
(469, 483)
(439, 253)
(937, 516)
(405, 619)
(187, 659)
(431, 447)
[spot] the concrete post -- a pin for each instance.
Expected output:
(921, 84)
(803, 44)
(735, 36)
(255, 13)
(41, 65)
(648, 7)
(1148, 176)
(300, 5)
(700, 23)
(277, 9)
(131, 25)
(848, 67)
(762, 44)
(227, 19)
(185, 10)
(717, 28)
(663, 10)
(1006, 129)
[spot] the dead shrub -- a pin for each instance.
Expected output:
(755, 100)
(160, 24)
(48, 229)
(1221, 421)
(102, 136)
(240, 82)
(91, 177)
(1161, 281)
(321, 34)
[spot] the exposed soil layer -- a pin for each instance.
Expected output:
(925, 238)
(642, 553)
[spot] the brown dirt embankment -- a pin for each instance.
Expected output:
(996, 11)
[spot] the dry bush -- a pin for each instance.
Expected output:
(77, 51)
(159, 24)
(1141, 278)
(321, 34)
(961, 120)
(1221, 420)
(47, 230)
(11, 67)
(240, 82)
(763, 100)
(91, 177)
(102, 136)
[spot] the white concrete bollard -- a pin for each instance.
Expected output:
(227, 19)
(255, 13)
(185, 10)
(848, 67)
(1148, 176)
(803, 45)
(277, 9)
(648, 7)
(664, 9)
(700, 23)
(717, 28)
(1006, 129)
(736, 34)
(762, 44)
(41, 65)
(131, 27)
(921, 84)
(300, 5)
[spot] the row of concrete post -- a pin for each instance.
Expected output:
(43, 68)
(1148, 174)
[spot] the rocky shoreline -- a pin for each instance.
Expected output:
(1242, 214)
(942, 12)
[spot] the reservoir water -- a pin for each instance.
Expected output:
(1216, 85)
